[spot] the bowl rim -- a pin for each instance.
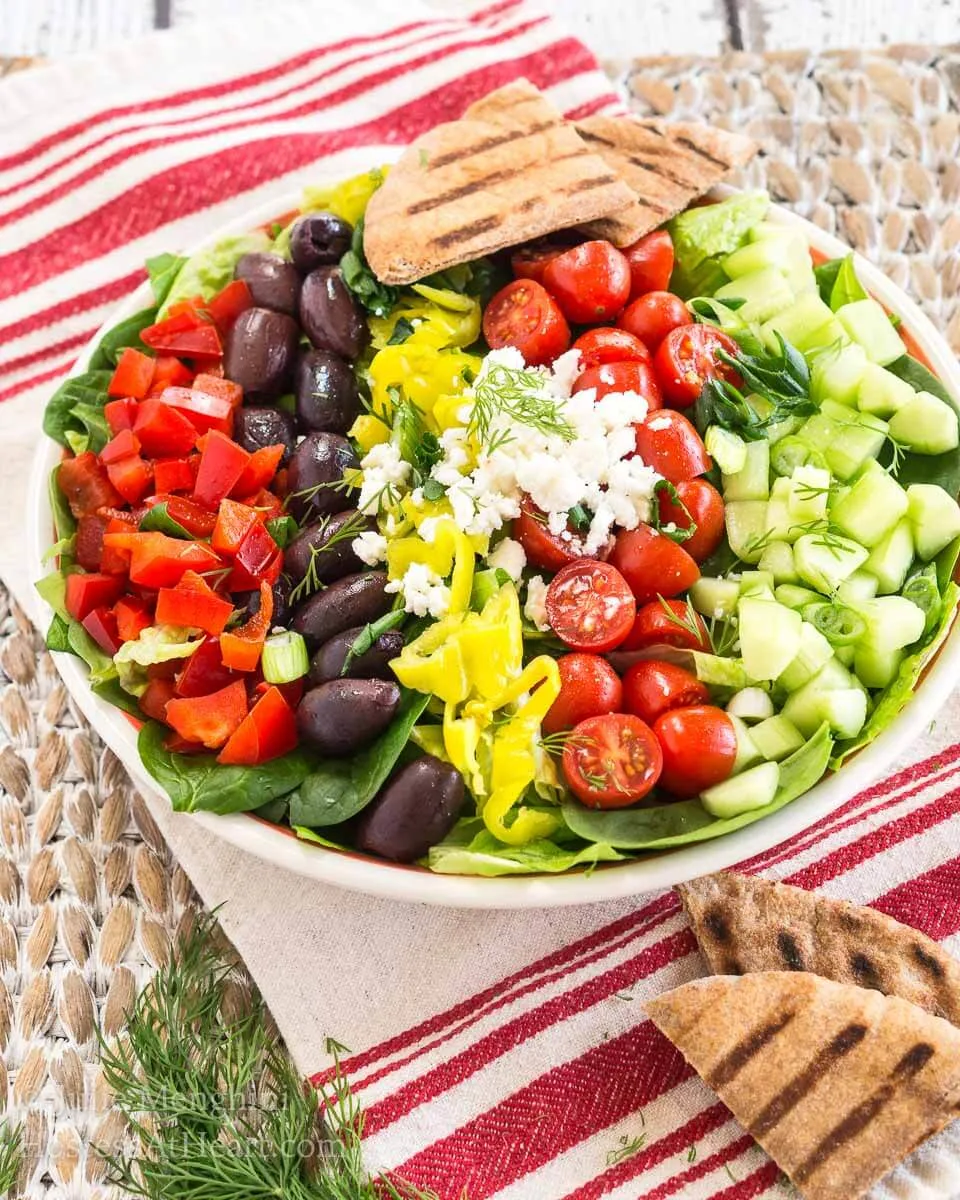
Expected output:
(613, 881)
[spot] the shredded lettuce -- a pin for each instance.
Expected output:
(156, 644)
(471, 850)
(211, 270)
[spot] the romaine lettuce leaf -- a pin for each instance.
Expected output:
(702, 234)
(156, 644)
(211, 270)
(470, 849)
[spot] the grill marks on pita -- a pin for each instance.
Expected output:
(744, 923)
(836, 1082)
(511, 170)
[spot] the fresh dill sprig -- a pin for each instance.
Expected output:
(215, 1108)
(627, 1147)
(556, 743)
(354, 525)
(514, 394)
(690, 622)
(11, 1139)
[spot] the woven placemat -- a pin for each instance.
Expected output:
(866, 145)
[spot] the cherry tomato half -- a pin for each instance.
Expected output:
(523, 314)
(705, 505)
(546, 550)
(589, 687)
(651, 263)
(669, 442)
(651, 317)
(651, 688)
(530, 262)
(622, 377)
(687, 358)
(611, 761)
(652, 564)
(668, 623)
(609, 345)
(590, 605)
(699, 747)
(590, 282)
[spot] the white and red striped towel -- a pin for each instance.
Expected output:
(502, 1053)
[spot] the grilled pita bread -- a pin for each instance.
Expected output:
(748, 924)
(837, 1083)
(512, 169)
(667, 165)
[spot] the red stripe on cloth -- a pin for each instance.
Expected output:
(754, 1185)
(82, 302)
(26, 360)
(712, 1162)
(930, 902)
(25, 385)
(186, 189)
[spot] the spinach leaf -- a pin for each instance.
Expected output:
(283, 530)
(83, 646)
(64, 522)
(163, 270)
(470, 849)
(89, 389)
(661, 826)
(376, 297)
(111, 691)
(401, 331)
(340, 787)
(943, 469)
(58, 635)
(847, 288)
(826, 276)
(198, 783)
(127, 333)
(97, 431)
(158, 520)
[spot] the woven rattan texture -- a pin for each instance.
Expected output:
(866, 145)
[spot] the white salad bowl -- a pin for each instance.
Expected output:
(610, 881)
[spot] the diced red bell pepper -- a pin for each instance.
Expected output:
(228, 304)
(101, 624)
(173, 475)
(159, 561)
(180, 745)
(185, 333)
(234, 522)
(194, 604)
(153, 702)
(93, 590)
(292, 692)
(257, 551)
(269, 730)
(162, 430)
(259, 471)
(201, 409)
(133, 616)
(120, 414)
(133, 376)
(240, 579)
(266, 503)
(89, 544)
(84, 482)
(122, 445)
(209, 719)
(132, 477)
(223, 389)
(169, 372)
(195, 519)
(222, 462)
(240, 648)
(204, 671)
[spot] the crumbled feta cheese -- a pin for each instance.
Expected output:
(508, 556)
(535, 608)
(424, 592)
(565, 370)
(428, 528)
(383, 469)
(370, 547)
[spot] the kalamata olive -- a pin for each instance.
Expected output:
(328, 661)
(319, 239)
(326, 391)
(336, 560)
(344, 715)
(255, 427)
(319, 461)
(417, 808)
(273, 282)
(354, 600)
(330, 316)
(248, 603)
(260, 352)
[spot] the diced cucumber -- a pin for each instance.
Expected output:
(861, 585)
(881, 392)
(875, 667)
(793, 596)
(872, 507)
(890, 558)
(844, 710)
(846, 438)
(715, 597)
(801, 278)
(743, 793)
(776, 737)
(926, 424)
(750, 705)
(809, 492)
(726, 449)
(769, 636)
(752, 481)
(764, 293)
(747, 752)
(803, 706)
(783, 251)
(756, 583)
(777, 560)
(836, 374)
(867, 323)
(807, 324)
(814, 653)
(892, 622)
(792, 452)
(780, 526)
(846, 654)
(745, 522)
(778, 430)
(934, 518)
(825, 560)
(772, 229)
(719, 672)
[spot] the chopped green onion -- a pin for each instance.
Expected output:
(838, 624)
(285, 657)
(792, 452)
(922, 590)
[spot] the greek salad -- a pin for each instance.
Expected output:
(545, 561)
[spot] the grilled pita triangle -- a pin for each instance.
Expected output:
(667, 165)
(511, 170)
(836, 1083)
(748, 924)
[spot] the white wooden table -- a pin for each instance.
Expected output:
(616, 29)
